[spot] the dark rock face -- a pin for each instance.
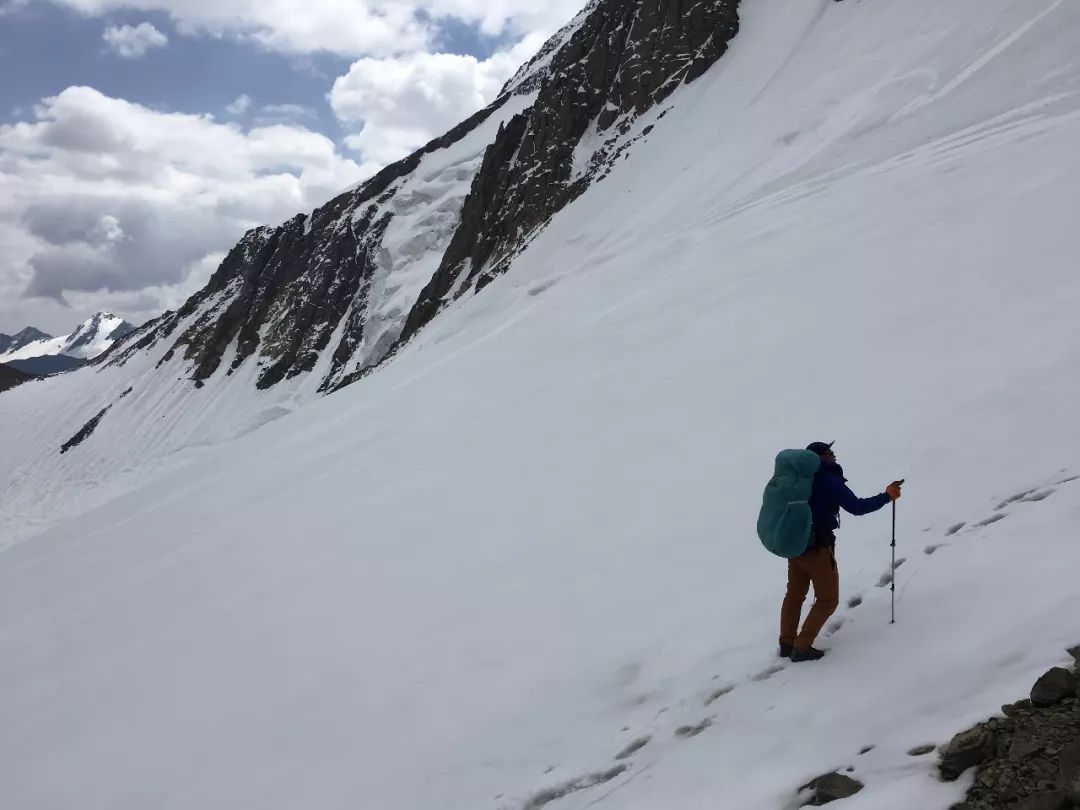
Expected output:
(10, 377)
(47, 364)
(282, 292)
(831, 787)
(85, 431)
(626, 57)
(1053, 687)
(1034, 763)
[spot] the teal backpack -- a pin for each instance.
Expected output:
(784, 522)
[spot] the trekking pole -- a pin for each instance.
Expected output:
(893, 574)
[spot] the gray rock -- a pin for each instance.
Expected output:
(1069, 770)
(1023, 748)
(1015, 709)
(1050, 800)
(1072, 792)
(965, 750)
(1053, 687)
(831, 787)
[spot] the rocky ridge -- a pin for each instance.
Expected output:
(1028, 759)
(326, 292)
(12, 343)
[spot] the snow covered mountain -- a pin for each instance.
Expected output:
(45, 354)
(513, 566)
(12, 343)
(333, 293)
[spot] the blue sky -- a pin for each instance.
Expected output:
(139, 139)
(192, 74)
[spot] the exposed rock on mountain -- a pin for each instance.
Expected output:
(625, 58)
(333, 293)
(47, 364)
(1030, 758)
(10, 344)
(10, 377)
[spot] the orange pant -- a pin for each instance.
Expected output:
(817, 566)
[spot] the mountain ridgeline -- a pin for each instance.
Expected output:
(337, 291)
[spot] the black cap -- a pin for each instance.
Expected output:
(821, 448)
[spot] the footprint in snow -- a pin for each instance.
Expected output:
(1019, 496)
(719, 693)
(992, 519)
(686, 732)
(1029, 496)
(855, 601)
(885, 579)
(1069, 480)
(834, 627)
(932, 548)
(1035, 497)
(633, 748)
(954, 529)
(551, 794)
(768, 672)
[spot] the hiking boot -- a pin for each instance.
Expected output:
(812, 654)
(785, 650)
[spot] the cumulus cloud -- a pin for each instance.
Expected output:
(240, 106)
(102, 197)
(403, 102)
(133, 42)
(108, 204)
(344, 27)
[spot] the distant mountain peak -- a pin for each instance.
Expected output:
(12, 343)
(40, 353)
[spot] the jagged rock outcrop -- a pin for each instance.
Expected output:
(324, 293)
(626, 57)
(282, 292)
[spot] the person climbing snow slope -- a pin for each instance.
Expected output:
(817, 566)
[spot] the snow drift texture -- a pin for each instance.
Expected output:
(526, 543)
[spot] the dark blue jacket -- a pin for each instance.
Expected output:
(829, 495)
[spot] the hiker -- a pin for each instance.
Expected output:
(817, 565)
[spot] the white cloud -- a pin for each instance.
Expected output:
(403, 102)
(133, 42)
(240, 106)
(345, 27)
(105, 200)
(107, 204)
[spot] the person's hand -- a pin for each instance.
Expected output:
(893, 490)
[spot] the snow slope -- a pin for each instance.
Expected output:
(483, 571)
